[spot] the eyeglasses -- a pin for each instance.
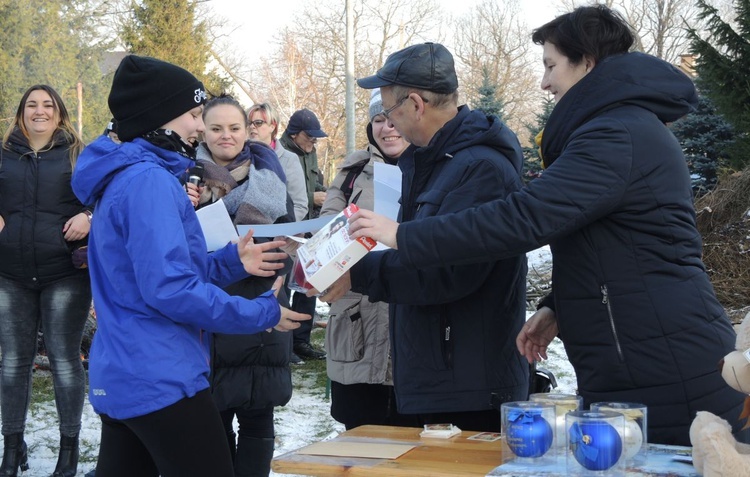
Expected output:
(387, 112)
(309, 138)
(257, 123)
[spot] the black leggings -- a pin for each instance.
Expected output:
(185, 439)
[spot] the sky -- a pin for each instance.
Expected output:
(258, 21)
(251, 25)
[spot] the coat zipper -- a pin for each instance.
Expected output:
(35, 163)
(605, 300)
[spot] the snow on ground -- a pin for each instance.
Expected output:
(43, 437)
(305, 419)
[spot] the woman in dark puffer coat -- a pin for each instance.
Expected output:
(41, 224)
(249, 372)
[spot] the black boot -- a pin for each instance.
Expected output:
(67, 461)
(253, 457)
(15, 455)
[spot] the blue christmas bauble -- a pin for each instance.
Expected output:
(529, 435)
(595, 444)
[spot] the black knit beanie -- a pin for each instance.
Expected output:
(148, 93)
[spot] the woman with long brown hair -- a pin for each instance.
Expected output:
(41, 224)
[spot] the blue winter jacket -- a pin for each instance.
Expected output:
(634, 305)
(155, 287)
(453, 329)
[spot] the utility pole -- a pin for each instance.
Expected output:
(349, 77)
(79, 90)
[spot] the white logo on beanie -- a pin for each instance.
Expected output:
(200, 96)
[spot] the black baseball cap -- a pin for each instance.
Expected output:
(427, 66)
(305, 120)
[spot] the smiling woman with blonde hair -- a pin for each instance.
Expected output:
(263, 126)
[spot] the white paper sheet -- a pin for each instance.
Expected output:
(387, 189)
(387, 192)
(282, 230)
(217, 226)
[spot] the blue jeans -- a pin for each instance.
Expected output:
(61, 309)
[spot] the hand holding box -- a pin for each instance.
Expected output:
(329, 253)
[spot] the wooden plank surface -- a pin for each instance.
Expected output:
(431, 457)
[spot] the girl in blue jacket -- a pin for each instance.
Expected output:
(156, 289)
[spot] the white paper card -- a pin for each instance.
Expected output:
(387, 189)
(285, 230)
(217, 226)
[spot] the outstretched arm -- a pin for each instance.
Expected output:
(584, 184)
(171, 268)
(290, 320)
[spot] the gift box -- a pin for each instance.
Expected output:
(635, 434)
(563, 404)
(529, 429)
(594, 443)
(329, 253)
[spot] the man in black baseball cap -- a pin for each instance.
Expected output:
(453, 335)
(427, 66)
(420, 78)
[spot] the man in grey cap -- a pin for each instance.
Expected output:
(452, 329)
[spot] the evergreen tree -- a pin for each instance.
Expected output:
(532, 161)
(168, 30)
(723, 64)
(705, 137)
(53, 42)
(488, 101)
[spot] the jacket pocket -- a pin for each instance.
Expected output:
(345, 338)
(428, 203)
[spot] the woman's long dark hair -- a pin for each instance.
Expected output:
(65, 124)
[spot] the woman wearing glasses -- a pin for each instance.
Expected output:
(263, 125)
(249, 373)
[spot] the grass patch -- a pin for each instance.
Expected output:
(312, 375)
(42, 387)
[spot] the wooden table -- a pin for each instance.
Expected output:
(456, 456)
(431, 458)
